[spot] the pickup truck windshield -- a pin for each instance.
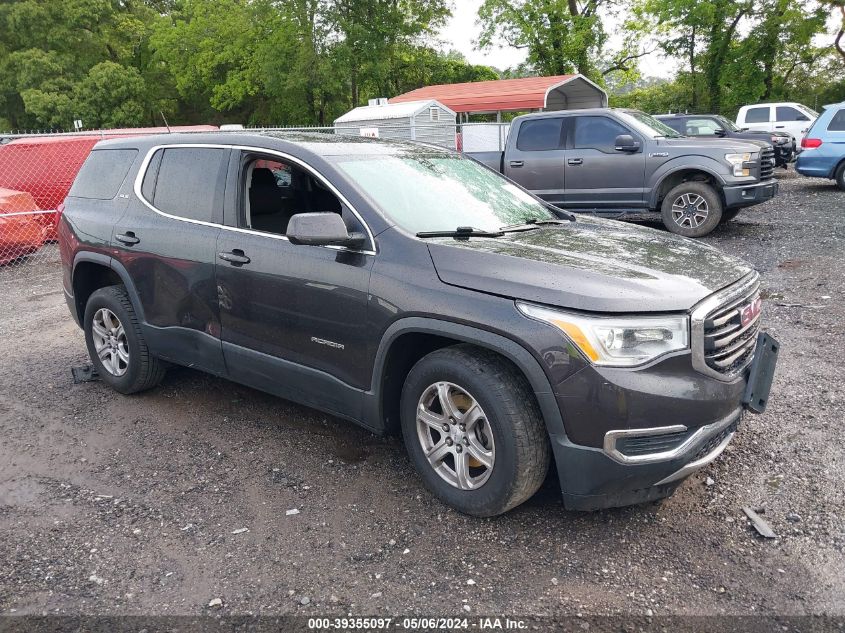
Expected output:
(725, 123)
(648, 125)
(428, 193)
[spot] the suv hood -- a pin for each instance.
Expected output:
(590, 264)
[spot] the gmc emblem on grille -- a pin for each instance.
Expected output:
(749, 312)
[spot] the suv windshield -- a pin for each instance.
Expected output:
(648, 125)
(440, 192)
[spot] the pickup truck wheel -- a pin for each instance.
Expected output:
(473, 430)
(692, 209)
(840, 176)
(116, 345)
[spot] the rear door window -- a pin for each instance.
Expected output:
(597, 132)
(540, 135)
(837, 123)
(102, 173)
(757, 115)
(189, 183)
(788, 113)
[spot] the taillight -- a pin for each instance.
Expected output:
(811, 143)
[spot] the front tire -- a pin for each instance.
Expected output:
(473, 430)
(840, 177)
(116, 345)
(692, 209)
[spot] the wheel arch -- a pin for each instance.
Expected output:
(836, 168)
(92, 271)
(671, 179)
(409, 339)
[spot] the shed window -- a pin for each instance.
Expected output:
(434, 114)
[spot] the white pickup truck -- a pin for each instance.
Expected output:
(794, 118)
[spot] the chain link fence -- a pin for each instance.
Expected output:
(37, 170)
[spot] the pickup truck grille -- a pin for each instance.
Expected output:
(767, 163)
(726, 335)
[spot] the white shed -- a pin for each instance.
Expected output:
(427, 121)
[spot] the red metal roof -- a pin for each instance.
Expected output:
(489, 96)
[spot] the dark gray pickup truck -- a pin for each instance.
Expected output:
(625, 161)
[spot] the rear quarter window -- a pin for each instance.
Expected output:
(837, 123)
(102, 173)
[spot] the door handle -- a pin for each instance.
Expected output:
(575, 161)
(235, 257)
(127, 238)
(517, 163)
(779, 127)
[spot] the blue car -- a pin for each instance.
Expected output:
(823, 154)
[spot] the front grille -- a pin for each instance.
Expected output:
(710, 445)
(728, 342)
(767, 163)
(646, 444)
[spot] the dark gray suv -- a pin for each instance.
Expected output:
(405, 287)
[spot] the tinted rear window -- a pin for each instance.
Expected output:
(189, 179)
(837, 123)
(540, 135)
(102, 173)
(757, 115)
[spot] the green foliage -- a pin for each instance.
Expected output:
(291, 62)
(560, 36)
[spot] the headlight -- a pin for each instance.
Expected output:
(617, 341)
(738, 161)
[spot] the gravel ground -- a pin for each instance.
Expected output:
(163, 502)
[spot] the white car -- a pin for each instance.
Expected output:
(794, 118)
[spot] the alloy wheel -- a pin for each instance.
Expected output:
(110, 342)
(455, 436)
(690, 210)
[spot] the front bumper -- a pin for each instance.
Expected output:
(592, 479)
(748, 195)
(636, 462)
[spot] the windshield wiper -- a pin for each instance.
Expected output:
(461, 233)
(533, 224)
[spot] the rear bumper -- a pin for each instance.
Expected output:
(814, 165)
(747, 195)
(592, 478)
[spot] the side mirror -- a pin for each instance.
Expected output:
(322, 229)
(721, 132)
(626, 143)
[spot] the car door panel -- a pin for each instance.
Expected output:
(599, 176)
(171, 260)
(537, 159)
(293, 317)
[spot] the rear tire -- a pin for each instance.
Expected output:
(840, 177)
(116, 345)
(692, 209)
(490, 429)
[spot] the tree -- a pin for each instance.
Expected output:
(560, 36)
(839, 41)
(50, 48)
